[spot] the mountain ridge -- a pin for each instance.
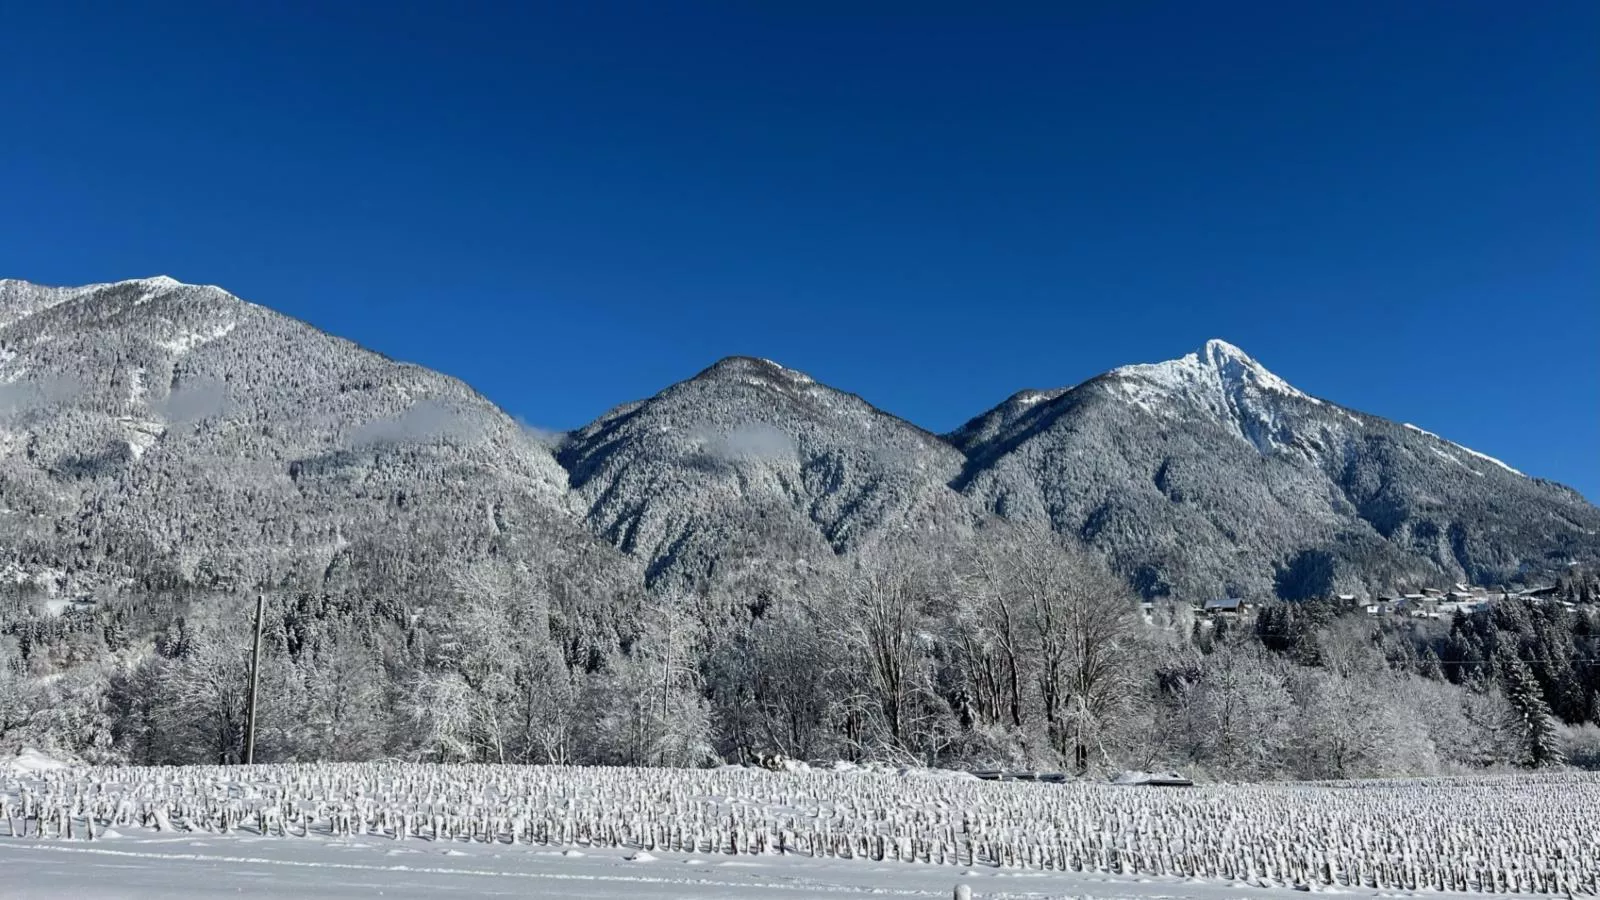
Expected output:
(1197, 476)
(1213, 347)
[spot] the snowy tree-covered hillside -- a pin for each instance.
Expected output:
(272, 448)
(1208, 476)
(749, 451)
(155, 434)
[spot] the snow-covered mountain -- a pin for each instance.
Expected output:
(1200, 476)
(157, 433)
(153, 432)
(749, 458)
(1208, 475)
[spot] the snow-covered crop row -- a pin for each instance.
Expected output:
(1530, 833)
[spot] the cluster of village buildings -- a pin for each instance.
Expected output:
(1428, 603)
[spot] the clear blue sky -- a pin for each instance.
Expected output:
(1395, 205)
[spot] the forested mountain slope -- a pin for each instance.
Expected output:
(751, 452)
(155, 434)
(1210, 476)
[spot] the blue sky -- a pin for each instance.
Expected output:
(1392, 205)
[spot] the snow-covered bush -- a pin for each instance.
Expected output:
(1580, 745)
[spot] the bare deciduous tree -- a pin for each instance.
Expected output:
(1061, 620)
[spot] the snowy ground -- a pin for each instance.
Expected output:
(189, 867)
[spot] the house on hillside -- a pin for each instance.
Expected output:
(1466, 606)
(1226, 608)
(1422, 605)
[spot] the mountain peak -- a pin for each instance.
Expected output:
(154, 281)
(1235, 365)
(20, 299)
(1217, 350)
(1216, 365)
(756, 370)
(166, 283)
(1221, 381)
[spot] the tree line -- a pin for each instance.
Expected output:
(1014, 650)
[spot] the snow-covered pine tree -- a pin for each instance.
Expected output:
(1535, 724)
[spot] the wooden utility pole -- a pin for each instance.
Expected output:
(255, 680)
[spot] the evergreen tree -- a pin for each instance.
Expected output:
(1428, 665)
(1541, 744)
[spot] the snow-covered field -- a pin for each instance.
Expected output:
(415, 831)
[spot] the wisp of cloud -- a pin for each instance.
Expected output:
(194, 400)
(23, 397)
(749, 441)
(425, 421)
